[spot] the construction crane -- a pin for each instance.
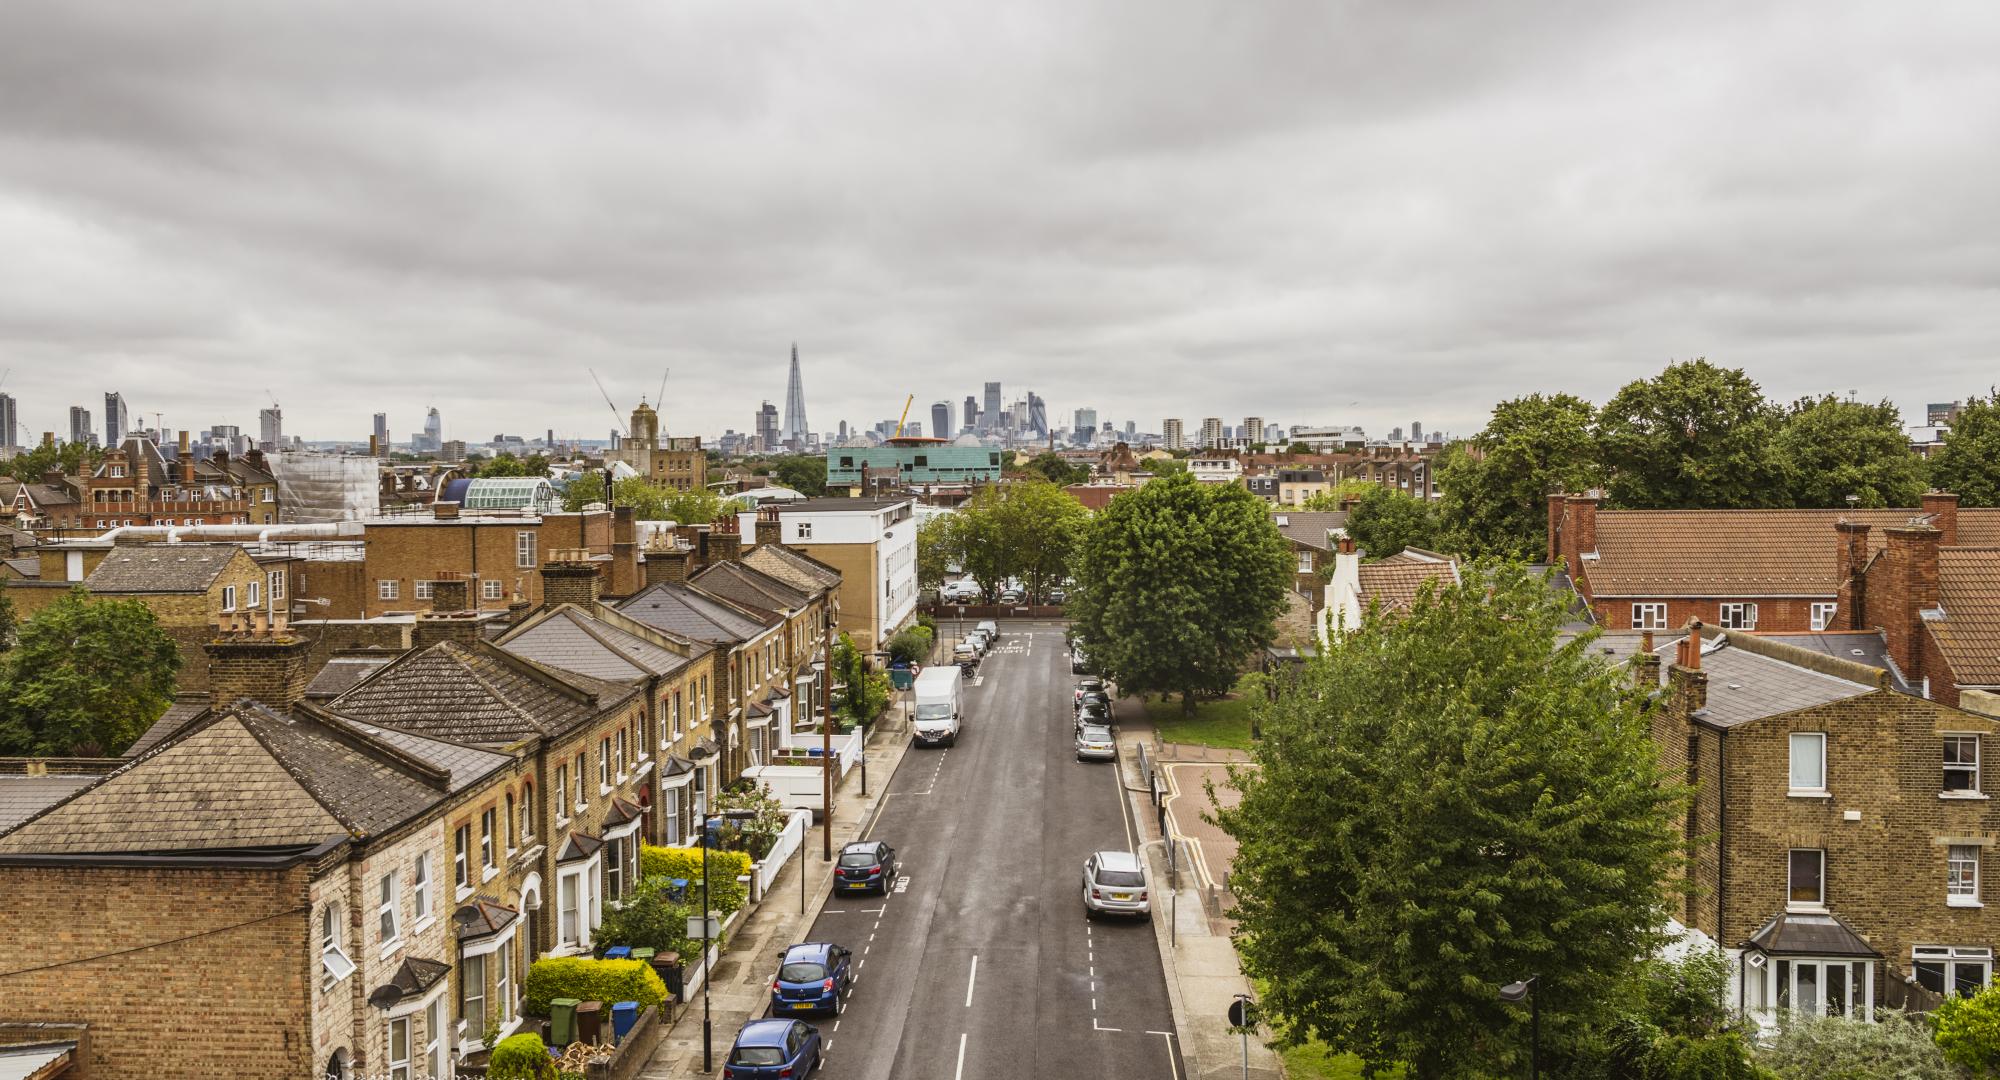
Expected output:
(274, 399)
(905, 416)
(608, 403)
(662, 395)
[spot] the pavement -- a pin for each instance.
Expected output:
(979, 962)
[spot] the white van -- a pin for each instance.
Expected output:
(939, 703)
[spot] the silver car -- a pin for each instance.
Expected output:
(1093, 743)
(1115, 882)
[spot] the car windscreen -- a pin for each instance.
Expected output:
(802, 973)
(933, 710)
(756, 1055)
(1121, 879)
(1091, 712)
(1094, 734)
(857, 858)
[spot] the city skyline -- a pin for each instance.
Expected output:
(1617, 217)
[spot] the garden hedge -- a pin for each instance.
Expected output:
(521, 1057)
(585, 979)
(726, 894)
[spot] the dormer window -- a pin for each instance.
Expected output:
(116, 471)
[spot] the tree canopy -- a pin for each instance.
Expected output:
(1026, 530)
(1050, 466)
(1178, 584)
(69, 458)
(1828, 449)
(650, 501)
(85, 678)
(1696, 436)
(1449, 800)
(1969, 463)
(803, 473)
(1387, 520)
(505, 463)
(1495, 485)
(865, 693)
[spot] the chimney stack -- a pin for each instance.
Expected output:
(1646, 665)
(769, 527)
(667, 564)
(1689, 681)
(1911, 560)
(1942, 508)
(1580, 525)
(570, 577)
(186, 460)
(1344, 545)
(719, 546)
(451, 617)
(264, 662)
(1851, 575)
(624, 570)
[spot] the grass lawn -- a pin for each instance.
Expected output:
(1224, 724)
(1315, 1062)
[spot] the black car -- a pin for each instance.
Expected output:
(1093, 715)
(1093, 697)
(865, 865)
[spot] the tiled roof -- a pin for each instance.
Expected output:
(22, 797)
(800, 570)
(467, 765)
(411, 978)
(1396, 580)
(245, 778)
(570, 640)
(187, 708)
(1312, 528)
(343, 673)
(480, 917)
(751, 588)
(161, 568)
(27, 566)
(1742, 552)
(1969, 633)
(1793, 934)
(475, 693)
(1744, 686)
(686, 611)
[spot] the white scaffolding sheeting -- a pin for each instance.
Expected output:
(318, 488)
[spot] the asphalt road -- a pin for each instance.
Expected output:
(981, 963)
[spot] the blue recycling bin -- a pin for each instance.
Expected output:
(677, 888)
(624, 1014)
(618, 952)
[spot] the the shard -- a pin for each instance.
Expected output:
(794, 435)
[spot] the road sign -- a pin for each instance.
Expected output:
(1239, 1012)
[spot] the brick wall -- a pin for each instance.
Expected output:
(209, 977)
(417, 550)
(1774, 616)
(1905, 585)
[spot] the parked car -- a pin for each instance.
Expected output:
(1058, 596)
(1094, 697)
(990, 628)
(1089, 684)
(1079, 662)
(1094, 743)
(773, 1049)
(865, 865)
(1013, 597)
(959, 592)
(1114, 882)
(812, 977)
(978, 640)
(1094, 714)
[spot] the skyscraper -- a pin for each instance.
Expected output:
(270, 429)
(1211, 432)
(767, 426)
(1416, 431)
(794, 435)
(991, 416)
(116, 420)
(941, 419)
(433, 430)
(382, 430)
(1170, 435)
(971, 417)
(8, 419)
(1085, 426)
(79, 425)
(1253, 429)
(1038, 415)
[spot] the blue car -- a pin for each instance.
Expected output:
(865, 866)
(811, 978)
(779, 1049)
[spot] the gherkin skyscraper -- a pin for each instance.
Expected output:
(794, 435)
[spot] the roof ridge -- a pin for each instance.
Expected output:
(617, 619)
(352, 732)
(429, 776)
(232, 712)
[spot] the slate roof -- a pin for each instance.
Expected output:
(244, 778)
(1396, 580)
(27, 566)
(690, 613)
(1744, 686)
(569, 639)
(1312, 528)
(344, 672)
(1746, 553)
(22, 797)
(1968, 635)
(751, 588)
(1810, 935)
(161, 568)
(474, 692)
(795, 568)
(480, 917)
(412, 978)
(187, 708)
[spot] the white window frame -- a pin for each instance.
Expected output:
(388, 914)
(461, 859)
(229, 598)
(1823, 614)
(503, 983)
(434, 1049)
(1814, 906)
(492, 589)
(1961, 882)
(1950, 766)
(1305, 562)
(1652, 616)
(1949, 959)
(582, 769)
(399, 1067)
(620, 771)
(1737, 615)
(388, 589)
(332, 957)
(562, 791)
(524, 550)
(805, 530)
(569, 909)
(604, 765)
(1815, 744)
(528, 814)
(420, 890)
(420, 589)
(488, 822)
(472, 990)
(250, 598)
(275, 585)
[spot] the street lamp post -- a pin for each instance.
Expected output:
(707, 1023)
(823, 669)
(1515, 992)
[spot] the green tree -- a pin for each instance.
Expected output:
(1828, 449)
(1969, 462)
(1495, 485)
(1968, 1031)
(649, 501)
(650, 918)
(803, 473)
(1447, 801)
(69, 458)
(1697, 436)
(1179, 583)
(85, 678)
(6, 621)
(1038, 526)
(865, 693)
(1050, 466)
(1386, 521)
(1335, 497)
(502, 464)
(1166, 466)
(938, 550)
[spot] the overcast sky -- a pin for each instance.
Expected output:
(1311, 211)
